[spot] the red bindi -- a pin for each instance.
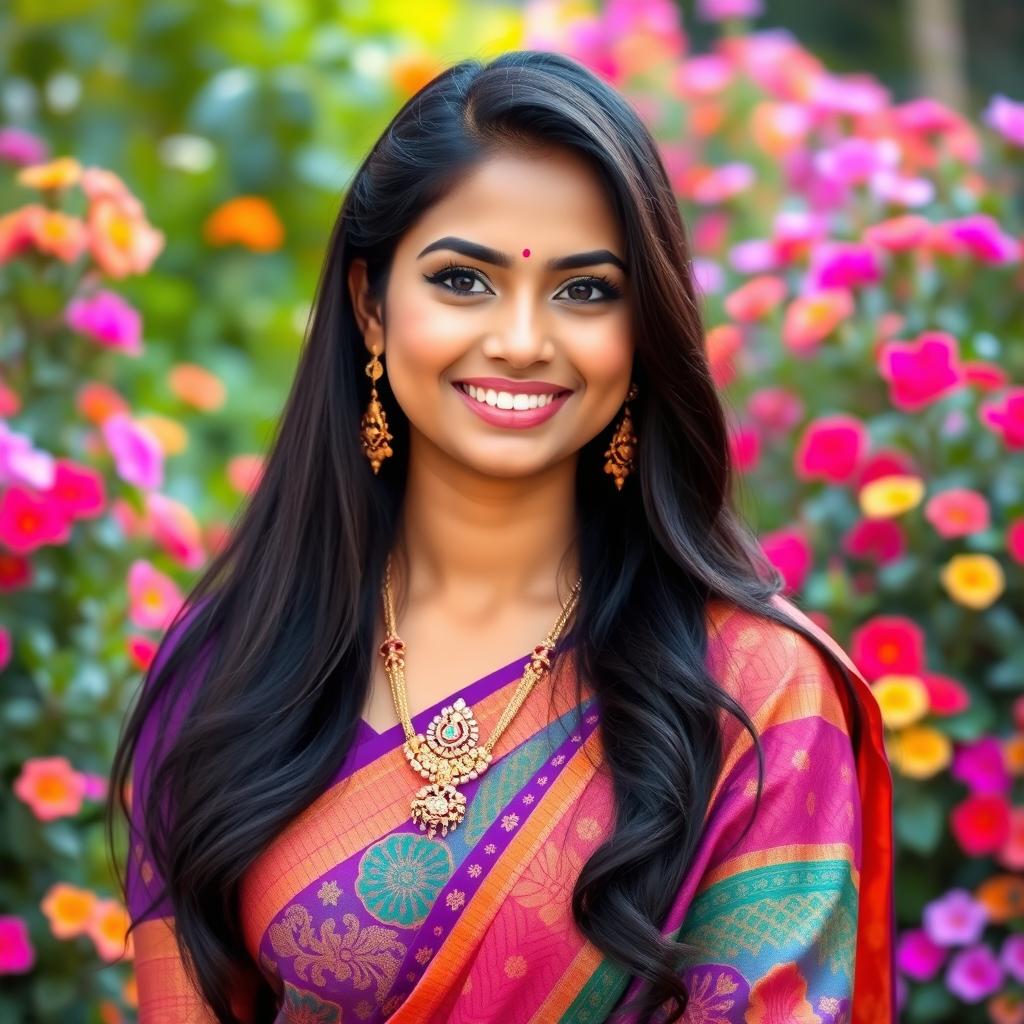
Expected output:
(526, 252)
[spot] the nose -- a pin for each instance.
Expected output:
(522, 339)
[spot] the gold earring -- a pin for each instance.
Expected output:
(373, 431)
(620, 451)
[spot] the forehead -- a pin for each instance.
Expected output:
(551, 201)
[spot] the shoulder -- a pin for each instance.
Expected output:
(774, 672)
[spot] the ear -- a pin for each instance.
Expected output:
(367, 312)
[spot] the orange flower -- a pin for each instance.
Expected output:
(130, 992)
(18, 230)
(1013, 752)
(59, 173)
(96, 401)
(61, 235)
(69, 909)
(108, 928)
(754, 299)
(411, 71)
(122, 241)
(1003, 897)
(810, 319)
(197, 386)
(51, 787)
(778, 128)
(249, 221)
(721, 344)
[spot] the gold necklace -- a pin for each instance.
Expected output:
(448, 755)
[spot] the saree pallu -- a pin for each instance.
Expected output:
(354, 914)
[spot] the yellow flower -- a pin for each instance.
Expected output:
(173, 437)
(920, 751)
(890, 496)
(973, 580)
(57, 173)
(902, 699)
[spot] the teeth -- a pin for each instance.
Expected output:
(506, 399)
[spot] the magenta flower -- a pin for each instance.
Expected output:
(94, 786)
(137, 453)
(79, 490)
(107, 318)
(954, 919)
(831, 449)
(1011, 956)
(877, 540)
(1006, 117)
(843, 265)
(1006, 417)
(981, 236)
(787, 549)
(722, 10)
(776, 410)
(917, 956)
(922, 371)
(981, 766)
(854, 160)
(974, 973)
(20, 147)
(17, 955)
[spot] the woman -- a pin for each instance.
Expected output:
(355, 797)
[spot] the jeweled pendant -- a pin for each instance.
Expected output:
(438, 806)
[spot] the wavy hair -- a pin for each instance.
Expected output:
(293, 595)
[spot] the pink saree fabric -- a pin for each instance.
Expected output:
(353, 914)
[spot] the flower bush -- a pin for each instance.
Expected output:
(859, 261)
(860, 267)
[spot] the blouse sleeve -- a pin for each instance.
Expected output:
(165, 994)
(773, 923)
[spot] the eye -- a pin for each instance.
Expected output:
(607, 289)
(458, 274)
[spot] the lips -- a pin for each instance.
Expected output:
(514, 418)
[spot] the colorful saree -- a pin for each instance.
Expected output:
(353, 914)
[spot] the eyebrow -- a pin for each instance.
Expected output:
(476, 251)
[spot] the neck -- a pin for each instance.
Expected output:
(479, 544)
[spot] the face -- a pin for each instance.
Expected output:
(514, 283)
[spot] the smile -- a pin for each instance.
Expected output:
(511, 409)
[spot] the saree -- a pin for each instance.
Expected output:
(353, 914)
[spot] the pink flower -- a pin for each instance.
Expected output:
(1006, 117)
(754, 256)
(708, 275)
(811, 318)
(974, 973)
(78, 490)
(137, 453)
(787, 549)
(922, 371)
(843, 265)
(755, 299)
(917, 956)
(926, 116)
(29, 521)
(725, 181)
(980, 766)
(1006, 418)
(831, 449)
(954, 919)
(723, 10)
(745, 444)
(879, 540)
(1015, 540)
(901, 190)
(984, 376)
(108, 319)
(51, 787)
(853, 160)
(21, 462)
(1011, 853)
(154, 598)
(980, 236)
(776, 410)
(176, 530)
(95, 786)
(981, 823)
(898, 234)
(5, 647)
(1011, 956)
(946, 696)
(21, 148)
(957, 512)
(705, 74)
(17, 954)
(888, 645)
(885, 463)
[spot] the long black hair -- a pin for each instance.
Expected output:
(294, 595)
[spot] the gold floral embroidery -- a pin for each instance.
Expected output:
(366, 955)
(548, 880)
(330, 893)
(423, 954)
(711, 1003)
(515, 966)
(455, 899)
(509, 821)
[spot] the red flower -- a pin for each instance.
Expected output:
(888, 645)
(981, 823)
(879, 540)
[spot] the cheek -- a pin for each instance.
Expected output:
(422, 338)
(603, 354)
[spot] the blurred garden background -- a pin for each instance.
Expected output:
(851, 177)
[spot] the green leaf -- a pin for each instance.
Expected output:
(919, 820)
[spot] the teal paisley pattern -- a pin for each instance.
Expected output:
(300, 1006)
(400, 877)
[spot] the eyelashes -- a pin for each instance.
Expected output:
(609, 289)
